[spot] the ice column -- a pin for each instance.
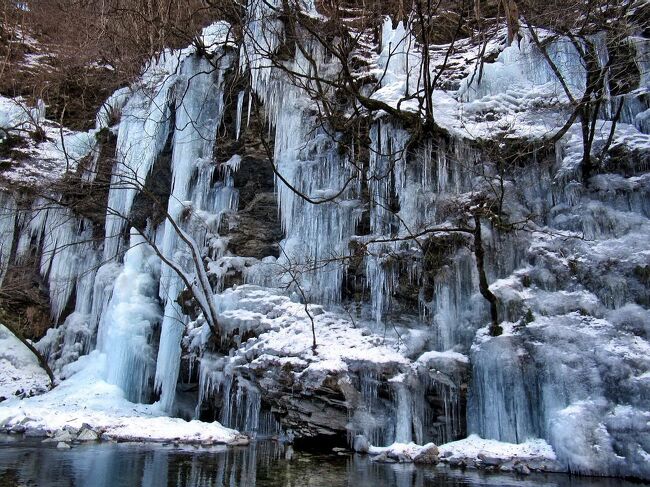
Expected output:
(130, 319)
(199, 110)
(142, 133)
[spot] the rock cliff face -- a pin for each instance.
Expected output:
(239, 258)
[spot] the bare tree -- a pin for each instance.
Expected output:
(604, 81)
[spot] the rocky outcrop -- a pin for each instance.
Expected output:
(356, 384)
(254, 230)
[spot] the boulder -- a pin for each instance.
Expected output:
(522, 469)
(428, 455)
(72, 430)
(61, 445)
(60, 436)
(490, 460)
(457, 462)
(87, 434)
(400, 457)
(384, 457)
(36, 433)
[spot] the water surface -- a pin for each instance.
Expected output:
(28, 462)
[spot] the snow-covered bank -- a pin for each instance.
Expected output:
(85, 401)
(475, 452)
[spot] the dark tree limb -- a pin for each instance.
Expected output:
(484, 288)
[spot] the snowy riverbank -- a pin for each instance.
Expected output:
(86, 407)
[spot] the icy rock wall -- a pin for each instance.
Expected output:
(571, 364)
(522, 382)
(521, 71)
(66, 249)
(177, 99)
(582, 279)
(421, 182)
(591, 407)
(68, 261)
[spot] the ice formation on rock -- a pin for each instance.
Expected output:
(411, 359)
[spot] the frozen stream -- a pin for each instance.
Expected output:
(28, 462)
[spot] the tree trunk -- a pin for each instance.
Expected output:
(479, 253)
(512, 19)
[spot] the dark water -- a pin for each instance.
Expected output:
(25, 462)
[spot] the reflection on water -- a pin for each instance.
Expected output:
(264, 464)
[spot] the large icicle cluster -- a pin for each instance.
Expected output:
(308, 163)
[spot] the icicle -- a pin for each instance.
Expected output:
(240, 102)
(403, 415)
(248, 112)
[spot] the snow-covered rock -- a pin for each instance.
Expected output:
(20, 373)
(482, 453)
(355, 382)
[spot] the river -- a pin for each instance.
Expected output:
(28, 462)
